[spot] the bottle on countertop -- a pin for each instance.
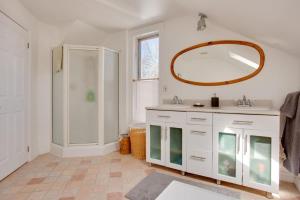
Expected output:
(215, 101)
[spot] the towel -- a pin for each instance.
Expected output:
(57, 59)
(290, 127)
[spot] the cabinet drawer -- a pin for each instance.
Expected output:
(166, 116)
(199, 118)
(200, 162)
(261, 122)
(199, 137)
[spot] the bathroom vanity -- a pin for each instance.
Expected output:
(229, 144)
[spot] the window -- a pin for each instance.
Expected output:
(145, 87)
(148, 57)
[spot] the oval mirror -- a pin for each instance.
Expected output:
(218, 63)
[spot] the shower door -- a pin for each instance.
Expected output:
(111, 96)
(83, 96)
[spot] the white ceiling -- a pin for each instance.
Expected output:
(274, 22)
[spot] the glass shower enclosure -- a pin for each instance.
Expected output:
(85, 96)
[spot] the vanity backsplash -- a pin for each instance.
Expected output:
(222, 102)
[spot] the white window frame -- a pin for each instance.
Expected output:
(133, 36)
(138, 57)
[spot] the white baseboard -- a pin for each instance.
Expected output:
(286, 176)
(289, 177)
(81, 151)
(56, 150)
(109, 148)
(297, 183)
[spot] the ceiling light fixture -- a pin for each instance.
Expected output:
(201, 25)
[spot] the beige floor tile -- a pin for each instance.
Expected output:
(99, 177)
(36, 195)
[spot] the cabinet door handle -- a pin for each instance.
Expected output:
(238, 122)
(239, 144)
(198, 132)
(246, 145)
(164, 116)
(198, 158)
(198, 119)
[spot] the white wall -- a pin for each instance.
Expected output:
(48, 37)
(80, 33)
(279, 76)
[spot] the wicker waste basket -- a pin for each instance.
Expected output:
(138, 141)
(125, 145)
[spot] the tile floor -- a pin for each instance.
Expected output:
(107, 177)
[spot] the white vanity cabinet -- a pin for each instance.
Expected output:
(246, 150)
(199, 143)
(237, 148)
(165, 139)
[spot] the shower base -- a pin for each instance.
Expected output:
(83, 150)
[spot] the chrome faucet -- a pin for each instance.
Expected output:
(244, 102)
(177, 100)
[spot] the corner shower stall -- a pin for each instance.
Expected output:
(85, 94)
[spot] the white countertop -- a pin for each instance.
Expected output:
(229, 109)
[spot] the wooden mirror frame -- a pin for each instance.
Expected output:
(220, 42)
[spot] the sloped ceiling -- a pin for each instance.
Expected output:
(274, 22)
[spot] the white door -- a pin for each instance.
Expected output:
(155, 139)
(228, 157)
(260, 159)
(175, 146)
(13, 90)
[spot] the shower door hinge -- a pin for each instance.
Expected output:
(28, 149)
(28, 45)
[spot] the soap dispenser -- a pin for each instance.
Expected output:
(215, 101)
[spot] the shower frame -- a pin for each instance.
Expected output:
(88, 149)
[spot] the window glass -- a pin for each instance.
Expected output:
(148, 57)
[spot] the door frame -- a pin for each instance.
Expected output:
(27, 90)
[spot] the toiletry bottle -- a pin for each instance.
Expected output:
(215, 101)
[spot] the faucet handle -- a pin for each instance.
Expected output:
(249, 103)
(244, 98)
(239, 102)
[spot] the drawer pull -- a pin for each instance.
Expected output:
(198, 132)
(198, 158)
(237, 122)
(198, 119)
(164, 116)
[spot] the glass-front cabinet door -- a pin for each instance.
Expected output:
(156, 133)
(260, 164)
(228, 154)
(175, 146)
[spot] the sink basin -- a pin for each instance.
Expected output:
(254, 108)
(174, 106)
